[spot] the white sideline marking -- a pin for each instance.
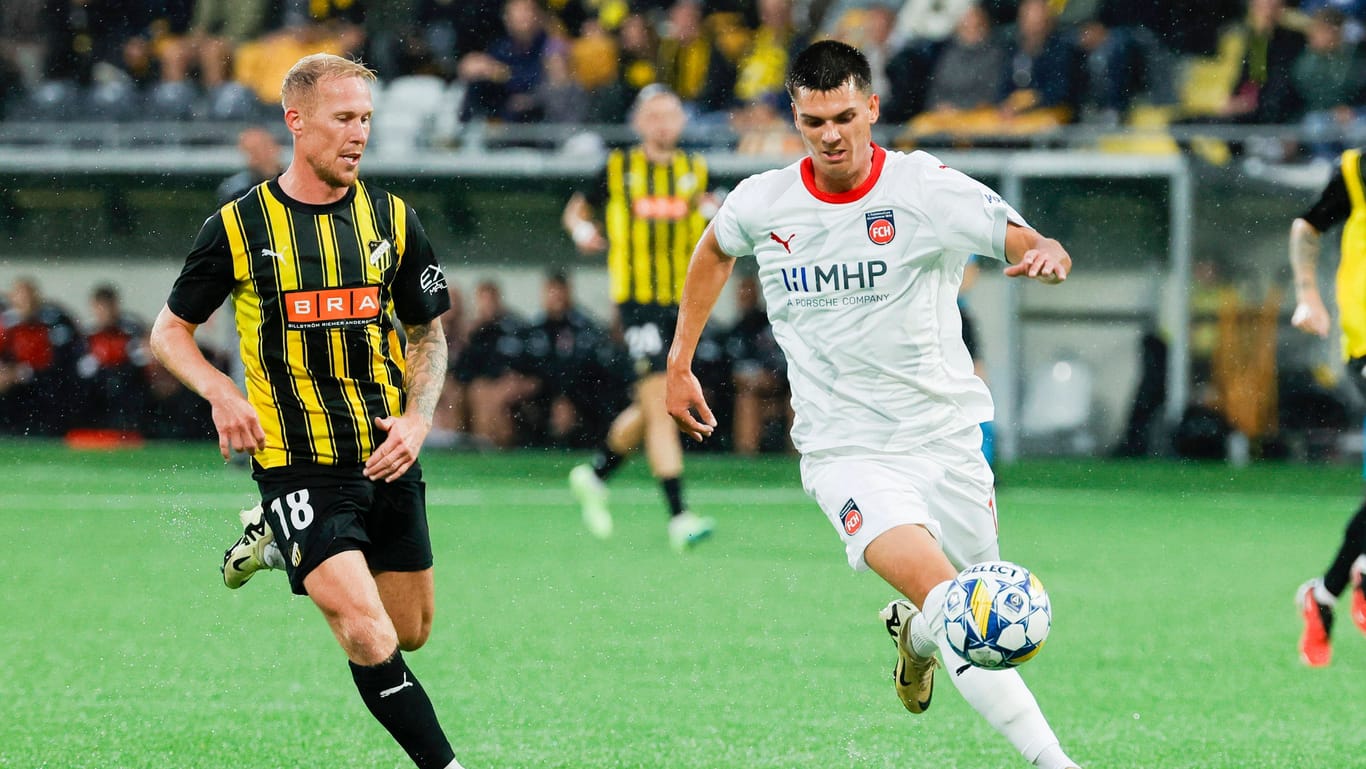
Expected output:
(511, 494)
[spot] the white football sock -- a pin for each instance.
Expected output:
(1000, 696)
(923, 640)
(1322, 595)
(454, 764)
(272, 556)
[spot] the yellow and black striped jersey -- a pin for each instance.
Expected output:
(315, 290)
(652, 223)
(1344, 201)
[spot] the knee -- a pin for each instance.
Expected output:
(367, 640)
(410, 639)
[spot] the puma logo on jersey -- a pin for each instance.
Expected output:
(786, 244)
(276, 254)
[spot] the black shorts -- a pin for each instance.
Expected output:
(648, 330)
(317, 511)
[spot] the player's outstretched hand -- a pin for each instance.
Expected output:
(683, 398)
(392, 458)
(1047, 263)
(238, 427)
(1311, 317)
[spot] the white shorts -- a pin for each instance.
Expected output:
(945, 486)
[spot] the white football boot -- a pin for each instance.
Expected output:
(688, 528)
(248, 554)
(591, 492)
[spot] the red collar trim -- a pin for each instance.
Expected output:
(809, 179)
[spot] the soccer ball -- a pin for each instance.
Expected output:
(997, 615)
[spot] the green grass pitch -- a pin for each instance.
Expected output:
(1173, 642)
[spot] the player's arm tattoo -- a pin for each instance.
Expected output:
(425, 366)
(1304, 256)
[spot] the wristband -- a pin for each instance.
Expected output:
(583, 232)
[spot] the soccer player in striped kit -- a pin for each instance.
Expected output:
(652, 199)
(1342, 201)
(860, 252)
(318, 265)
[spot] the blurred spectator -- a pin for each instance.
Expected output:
(261, 64)
(1164, 32)
(450, 421)
(174, 411)
(69, 41)
(113, 368)
(342, 21)
(923, 22)
(1353, 13)
(868, 27)
(489, 369)
(966, 79)
(922, 30)
(154, 51)
(21, 41)
(758, 372)
(639, 59)
(502, 82)
(763, 65)
(690, 62)
(217, 28)
(1330, 76)
(39, 348)
(594, 61)
(1114, 70)
(764, 119)
(1042, 86)
(559, 97)
(1264, 91)
(453, 28)
(261, 152)
(573, 359)
(78, 35)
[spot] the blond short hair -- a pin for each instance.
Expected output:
(304, 76)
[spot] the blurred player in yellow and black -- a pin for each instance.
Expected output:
(320, 267)
(652, 200)
(1342, 201)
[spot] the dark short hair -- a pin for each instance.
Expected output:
(105, 292)
(827, 65)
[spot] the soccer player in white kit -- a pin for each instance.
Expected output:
(860, 252)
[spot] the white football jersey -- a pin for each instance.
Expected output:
(862, 290)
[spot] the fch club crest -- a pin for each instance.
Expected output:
(851, 518)
(881, 226)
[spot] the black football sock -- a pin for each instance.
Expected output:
(400, 704)
(1353, 545)
(606, 461)
(673, 492)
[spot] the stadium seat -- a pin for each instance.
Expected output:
(233, 101)
(51, 100)
(171, 101)
(406, 110)
(115, 100)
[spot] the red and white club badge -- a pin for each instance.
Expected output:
(881, 226)
(851, 518)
